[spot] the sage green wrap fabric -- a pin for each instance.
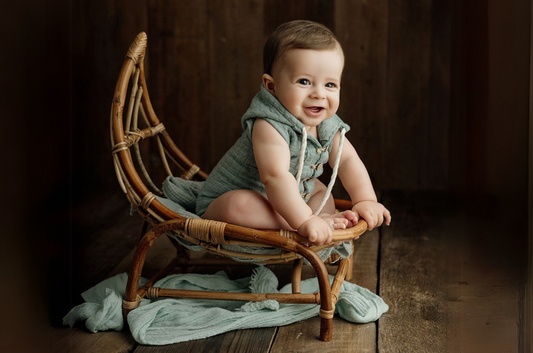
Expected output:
(169, 320)
(237, 169)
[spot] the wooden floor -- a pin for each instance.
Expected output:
(451, 277)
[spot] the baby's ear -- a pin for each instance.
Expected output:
(268, 83)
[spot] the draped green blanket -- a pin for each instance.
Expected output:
(181, 196)
(167, 320)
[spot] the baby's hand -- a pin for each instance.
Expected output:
(373, 213)
(317, 230)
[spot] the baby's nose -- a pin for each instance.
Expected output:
(318, 92)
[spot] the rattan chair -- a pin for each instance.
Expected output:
(134, 103)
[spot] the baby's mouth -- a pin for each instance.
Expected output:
(314, 110)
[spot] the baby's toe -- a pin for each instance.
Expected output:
(339, 225)
(351, 216)
(342, 220)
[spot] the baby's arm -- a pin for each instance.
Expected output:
(356, 181)
(272, 156)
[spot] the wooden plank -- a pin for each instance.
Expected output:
(347, 337)
(487, 278)
(280, 11)
(98, 46)
(236, 42)
(362, 29)
(253, 341)
(436, 138)
(109, 233)
(451, 283)
(81, 340)
(179, 72)
(527, 327)
(412, 277)
(404, 131)
(365, 268)
(102, 32)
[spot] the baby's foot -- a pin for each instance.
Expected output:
(351, 217)
(342, 220)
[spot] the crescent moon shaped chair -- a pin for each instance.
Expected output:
(133, 120)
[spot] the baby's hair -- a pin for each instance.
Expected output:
(299, 34)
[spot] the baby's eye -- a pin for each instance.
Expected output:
(331, 85)
(304, 81)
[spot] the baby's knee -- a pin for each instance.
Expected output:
(236, 205)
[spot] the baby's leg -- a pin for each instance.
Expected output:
(247, 208)
(340, 220)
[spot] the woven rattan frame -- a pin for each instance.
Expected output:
(131, 103)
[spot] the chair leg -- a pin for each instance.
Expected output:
(297, 276)
(349, 274)
(131, 296)
(327, 308)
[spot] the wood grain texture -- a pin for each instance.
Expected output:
(451, 283)
(365, 267)
(436, 125)
(204, 65)
(81, 340)
(236, 42)
(253, 341)
(486, 283)
(303, 337)
(527, 326)
(178, 46)
(451, 275)
(413, 273)
(93, 226)
(408, 62)
(101, 32)
(362, 29)
(279, 11)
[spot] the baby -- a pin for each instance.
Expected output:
(260, 182)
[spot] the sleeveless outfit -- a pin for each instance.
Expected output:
(237, 169)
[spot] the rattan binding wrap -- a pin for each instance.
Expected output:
(138, 47)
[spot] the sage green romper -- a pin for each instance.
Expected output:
(237, 169)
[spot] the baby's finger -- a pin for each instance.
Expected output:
(313, 236)
(356, 217)
(388, 217)
(373, 220)
(380, 219)
(329, 238)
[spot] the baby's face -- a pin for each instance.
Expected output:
(307, 83)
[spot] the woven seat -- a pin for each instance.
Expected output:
(133, 120)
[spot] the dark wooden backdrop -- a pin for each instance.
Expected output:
(436, 93)
(423, 90)
(205, 65)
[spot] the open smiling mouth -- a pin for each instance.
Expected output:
(314, 110)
